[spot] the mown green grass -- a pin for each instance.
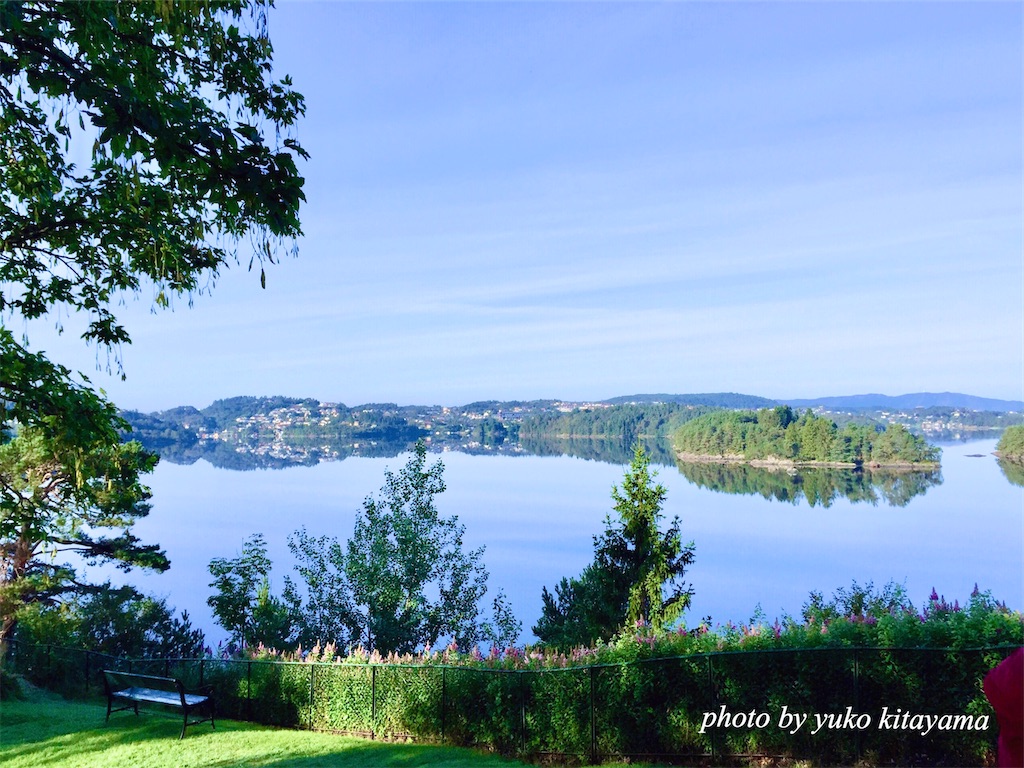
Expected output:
(48, 732)
(44, 730)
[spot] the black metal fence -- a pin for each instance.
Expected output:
(829, 705)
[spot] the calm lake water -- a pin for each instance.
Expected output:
(537, 515)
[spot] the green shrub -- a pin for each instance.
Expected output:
(10, 686)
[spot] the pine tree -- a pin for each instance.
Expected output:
(637, 572)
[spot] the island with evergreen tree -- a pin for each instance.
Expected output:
(1011, 445)
(784, 437)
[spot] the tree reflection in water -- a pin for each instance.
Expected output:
(819, 486)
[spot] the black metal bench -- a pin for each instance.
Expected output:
(149, 689)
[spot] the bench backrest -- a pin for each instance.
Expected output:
(116, 681)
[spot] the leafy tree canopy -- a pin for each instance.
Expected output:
(55, 502)
(242, 602)
(183, 117)
(323, 605)
(140, 144)
(411, 579)
(404, 579)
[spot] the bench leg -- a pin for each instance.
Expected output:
(133, 705)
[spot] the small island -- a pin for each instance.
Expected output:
(1010, 453)
(783, 438)
(1011, 445)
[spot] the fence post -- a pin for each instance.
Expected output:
(856, 697)
(87, 673)
(711, 694)
(311, 670)
(593, 719)
(373, 702)
(202, 662)
(443, 692)
(522, 711)
(856, 679)
(248, 690)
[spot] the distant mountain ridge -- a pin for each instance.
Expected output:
(842, 402)
(914, 400)
(710, 399)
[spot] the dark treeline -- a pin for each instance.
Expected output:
(780, 433)
(820, 486)
(626, 423)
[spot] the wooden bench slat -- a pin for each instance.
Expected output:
(149, 694)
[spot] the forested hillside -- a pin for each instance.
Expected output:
(622, 422)
(782, 434)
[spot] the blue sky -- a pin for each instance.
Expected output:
(585, 200)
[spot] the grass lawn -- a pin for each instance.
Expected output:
(47, 731)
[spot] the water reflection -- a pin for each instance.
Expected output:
(607, 450)
(307, 453)
(819, 486)
(1012, 471)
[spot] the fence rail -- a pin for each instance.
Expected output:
(706, 707)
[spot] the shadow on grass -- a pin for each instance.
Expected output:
(44, 733)
(393, 756)
(52, 734)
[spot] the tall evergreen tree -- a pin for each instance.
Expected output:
(637, 572)
(655, 561)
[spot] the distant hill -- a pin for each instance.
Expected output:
(268, 432)
(916, 400)
(709, 399)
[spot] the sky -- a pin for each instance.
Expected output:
(585, 200)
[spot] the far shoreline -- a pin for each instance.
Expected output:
(775, 462)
